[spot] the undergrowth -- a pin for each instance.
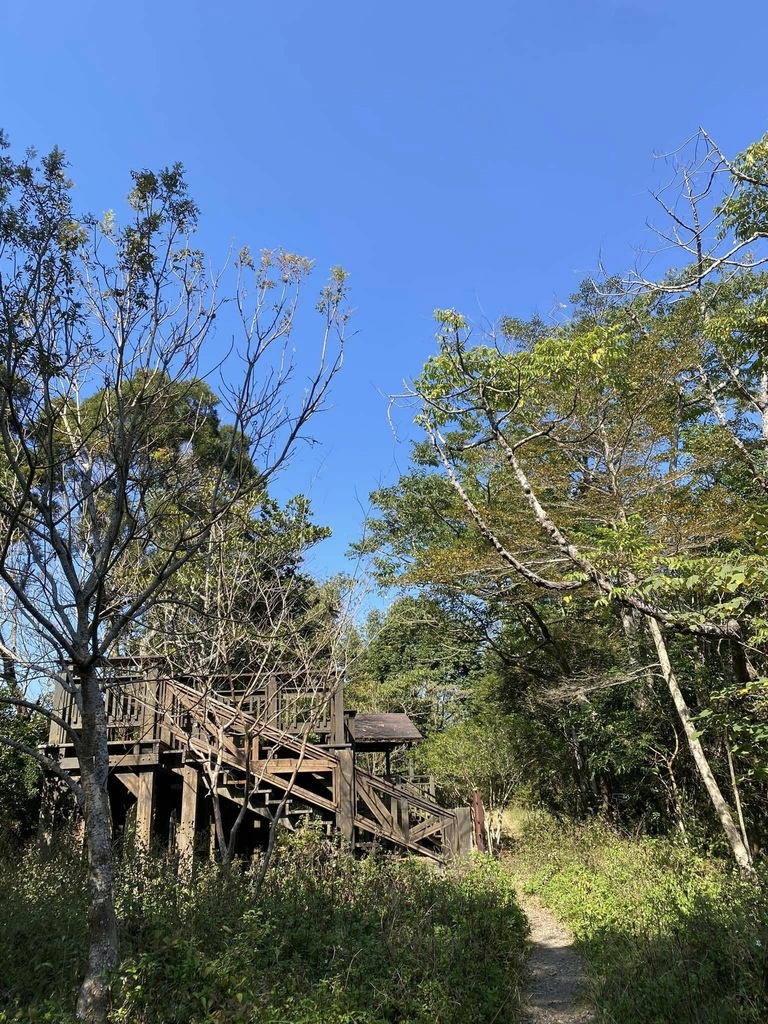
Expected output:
(670, 936)
(329, 940)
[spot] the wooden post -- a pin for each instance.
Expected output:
(56, 735)
(404, 816)
(337, 714)
(149, 699)
(457, 835)
(345, 795)
(464, 830)
(451, 838)
(478, 816)
(188, 825)
(145, 809)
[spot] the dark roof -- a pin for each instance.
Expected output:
(381, 731)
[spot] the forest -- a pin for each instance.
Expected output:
(574, 570)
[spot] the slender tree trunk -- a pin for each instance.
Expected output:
(673, 789)
(737, 798)
(211, 775)
(93, 1000)
(579, 770)
(740, 852)
(228, 856)
(677, 807)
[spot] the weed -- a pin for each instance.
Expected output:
(670, 936)
(329, 940)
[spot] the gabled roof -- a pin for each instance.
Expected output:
(377, 732)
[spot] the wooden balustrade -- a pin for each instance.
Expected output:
(142, 706)
(272, 737)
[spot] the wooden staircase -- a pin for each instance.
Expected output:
(172, 744)
(315, 779)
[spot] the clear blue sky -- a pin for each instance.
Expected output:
(475, 155)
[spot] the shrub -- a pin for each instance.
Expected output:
(670, 936)
(329, 940)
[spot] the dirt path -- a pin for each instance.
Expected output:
(555, 971)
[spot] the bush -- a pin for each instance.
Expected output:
(329, 940)
(670, 936)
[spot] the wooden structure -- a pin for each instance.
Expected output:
(274, 744)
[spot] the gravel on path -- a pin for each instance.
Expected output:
(555, 971)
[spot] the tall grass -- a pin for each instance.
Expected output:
(329, 940)
(670, 936)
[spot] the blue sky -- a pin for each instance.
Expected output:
(479, 156)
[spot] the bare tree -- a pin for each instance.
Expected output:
(113, 466)
(261, 645)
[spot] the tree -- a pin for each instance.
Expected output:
(597, 458)
(492, 756)
(418, 658)
(589, 424)
(104, 496)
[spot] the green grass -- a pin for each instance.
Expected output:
(670, 937)
(330, 940)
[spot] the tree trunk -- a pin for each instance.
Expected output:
(737, 798)
(94, 997)
(740, 852)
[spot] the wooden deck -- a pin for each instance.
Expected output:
(273, 748)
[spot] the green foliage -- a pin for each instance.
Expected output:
(20, 776)
(329, 941)
(746, 213)
(420, 658)
(492, 756)
(669, 936)
(582, 477)
(42, 939)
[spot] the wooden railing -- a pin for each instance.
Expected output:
(142, 703)
(264, 736)
(368, 804)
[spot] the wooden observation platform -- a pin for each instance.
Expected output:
(280, 748)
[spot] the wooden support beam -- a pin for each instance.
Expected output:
(337, 714)
(148, 694)
(404, 816)
(345, 795)
(145, 810)
(130, 781)
(289, 764)
(369, 825)
(451, 837)
(120, 757)
(299, 792)
(429, 827)
(188, 825)
(465, 830)
(380, 811)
